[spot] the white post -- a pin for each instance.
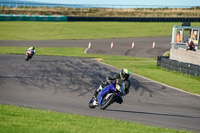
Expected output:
(174, 35)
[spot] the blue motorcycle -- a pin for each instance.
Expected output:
(107, 96)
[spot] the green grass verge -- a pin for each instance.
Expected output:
(143, 66)
(22, 120)
(82, 30)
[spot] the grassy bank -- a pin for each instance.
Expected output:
(82, 30)
(143, 66)
(23, 120)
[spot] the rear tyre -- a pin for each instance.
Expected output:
(107, 101)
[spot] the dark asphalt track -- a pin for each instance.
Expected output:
(65, 84)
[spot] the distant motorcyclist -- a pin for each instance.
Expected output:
(123, 82)
(32, 49)
(30, 52)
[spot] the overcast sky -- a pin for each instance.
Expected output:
(126, 2)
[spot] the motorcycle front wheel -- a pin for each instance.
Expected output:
(26, 58)
(106, 101)
(90, 104)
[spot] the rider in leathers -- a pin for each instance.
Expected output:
(123, 82)
(32, 49)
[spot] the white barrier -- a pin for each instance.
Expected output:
(188, 56)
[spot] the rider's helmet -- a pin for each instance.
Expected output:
(124, 74)
(32, 47)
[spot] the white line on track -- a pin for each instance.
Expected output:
(86, 50)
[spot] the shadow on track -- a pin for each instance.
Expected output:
(148, 113)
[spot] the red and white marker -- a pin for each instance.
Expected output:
(89, 45)
(111, 45)
(154, 45)
(133, 44)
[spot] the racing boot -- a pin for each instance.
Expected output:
(119, 100)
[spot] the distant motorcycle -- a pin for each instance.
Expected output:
(29, 55)
(107, 96)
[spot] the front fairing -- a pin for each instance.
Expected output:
(104, 91)
(109, 88)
